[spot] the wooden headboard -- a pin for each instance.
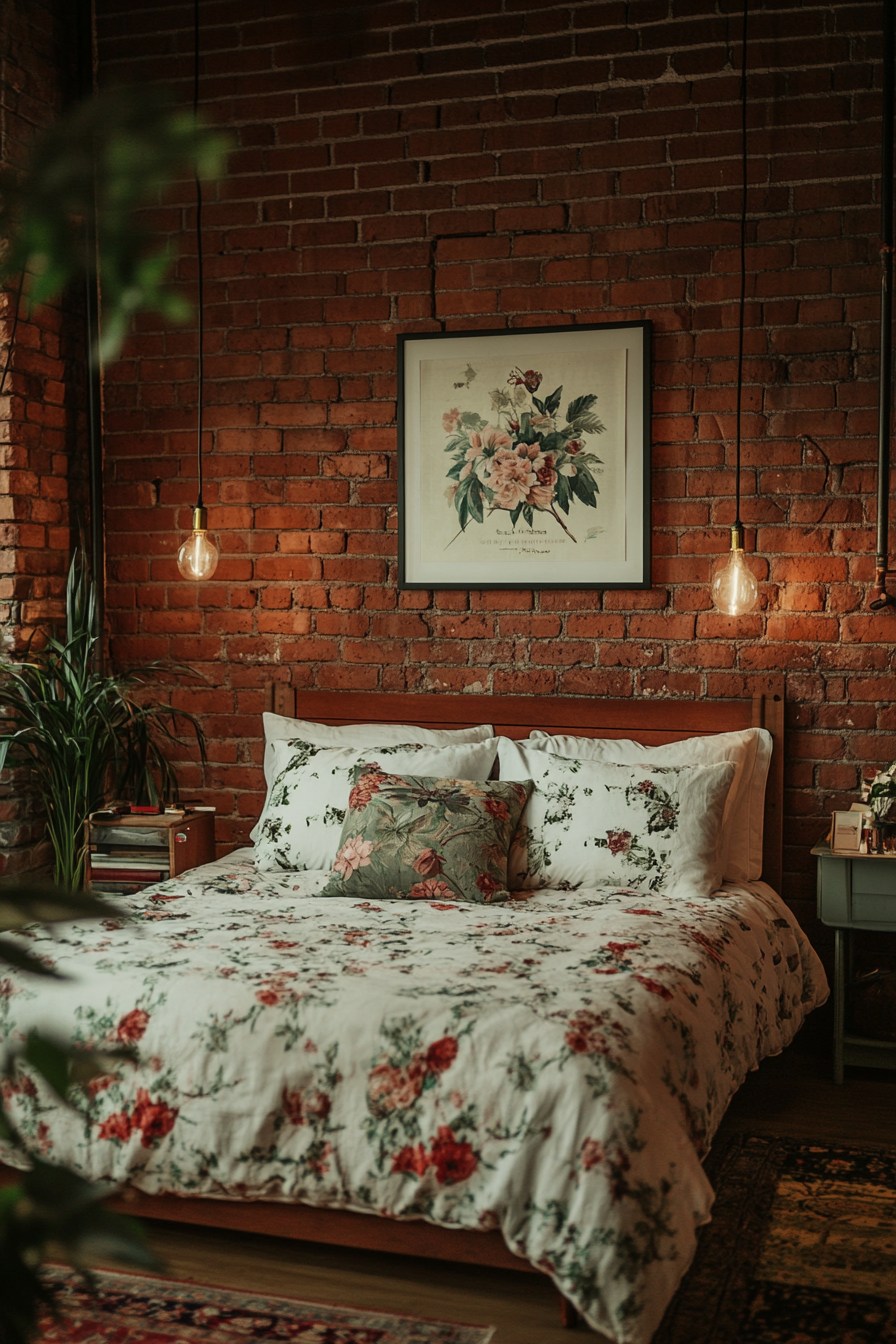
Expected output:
(651, 722)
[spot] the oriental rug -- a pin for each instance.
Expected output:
(134, 1309)
(801, 1249)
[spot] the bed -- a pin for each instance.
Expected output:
(530, 1085)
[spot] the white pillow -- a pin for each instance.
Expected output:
(278, 728)
(301, 824)
(593, 824)
(749, 750)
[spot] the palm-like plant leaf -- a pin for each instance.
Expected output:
(81, 732)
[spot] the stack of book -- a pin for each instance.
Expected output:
(129, 856)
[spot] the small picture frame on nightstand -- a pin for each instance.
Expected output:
(846, 832)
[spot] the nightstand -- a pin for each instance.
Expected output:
(129, 852)
(855, 893)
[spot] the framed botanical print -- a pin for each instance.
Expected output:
(524, 458)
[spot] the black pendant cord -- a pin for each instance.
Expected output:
(743, 265)
(880, 598)
(201, 314)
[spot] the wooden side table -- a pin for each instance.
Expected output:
(135, 849)
(855, 893)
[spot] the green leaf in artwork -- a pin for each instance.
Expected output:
(552, 403)
(529, 514)
(473, 420)
(515, 514)
(553, 443)
(475, 499)
(584, 487)
(579, 406)
(562, 493)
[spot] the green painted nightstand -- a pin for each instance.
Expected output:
(855, 893)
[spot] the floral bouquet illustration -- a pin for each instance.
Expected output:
(528, 460)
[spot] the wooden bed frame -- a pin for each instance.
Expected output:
(651, 722)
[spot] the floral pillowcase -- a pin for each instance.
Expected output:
(305, 808)
(594, 824)
(420, 838)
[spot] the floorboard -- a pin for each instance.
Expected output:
(792, 1094)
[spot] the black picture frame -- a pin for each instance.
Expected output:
(513, 476)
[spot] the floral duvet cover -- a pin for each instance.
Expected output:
(554, 1067)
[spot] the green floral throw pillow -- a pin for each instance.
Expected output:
(417, 838)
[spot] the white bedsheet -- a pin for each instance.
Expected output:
(555, 1067)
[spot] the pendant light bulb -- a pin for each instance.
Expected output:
(734, 590)
(198, 556)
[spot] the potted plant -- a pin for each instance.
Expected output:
(83, 733)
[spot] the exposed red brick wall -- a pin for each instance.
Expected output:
(41, 420)
(408, 165)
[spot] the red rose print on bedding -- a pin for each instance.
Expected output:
(153, 1118)
(116, 1126)
(132, 1025)
(619, 842)
(441, 1054)
(454, 1162)
(391, 1089)
(412, 1160)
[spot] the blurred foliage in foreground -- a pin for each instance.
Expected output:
(51, 1207)
(97, 166)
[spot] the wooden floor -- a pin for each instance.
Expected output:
(792, 1094)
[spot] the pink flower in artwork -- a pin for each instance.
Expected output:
(430, 890)
(541, 495)
(510, 477)
(451, 420)
(354, 854)
(619, 842)
(490, 438)
(574, 446)
(530, 379)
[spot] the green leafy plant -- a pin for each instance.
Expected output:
(88, 175)
(82, 732)
(50, 1205)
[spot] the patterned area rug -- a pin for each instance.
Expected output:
(132, 1309)
(801, 1249)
